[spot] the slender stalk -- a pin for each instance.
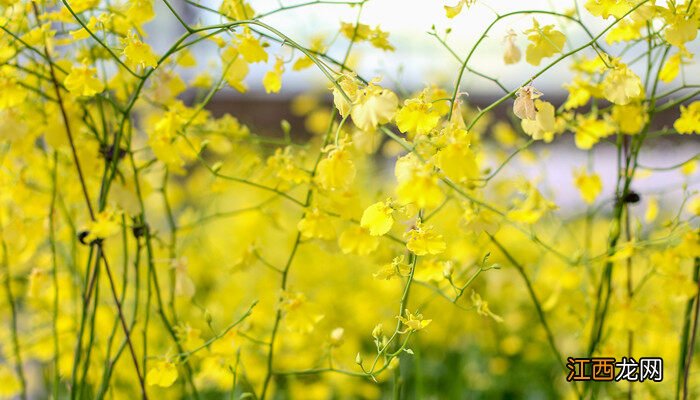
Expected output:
(17, 353)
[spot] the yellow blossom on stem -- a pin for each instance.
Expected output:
(532, 208)
(336, 171)
(138, 52)
(83, 81)
(377, 218)
(414, 322)
(416, 182)
(544, 42)
(423, 239)
(689, 121)
(621, 85)
(630, 118)
(373, 106)
(272, 81)
(396, 269)
(417, 117)
(163, 374)
(106, 224)
(250, 47)
(453, 11)
(607, 8)
(589, 130)
(357, 240)
(316, 225)
(545, 125)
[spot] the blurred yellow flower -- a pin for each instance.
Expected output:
(589, 185)
(544, 42)
(316, 225)
(511, 54)
(336, 171)
(250, 47)
(272, 81)
(83, 81)
(163, 374)
(377, 218)
(689, 121)
(138, 52)
(423, 239)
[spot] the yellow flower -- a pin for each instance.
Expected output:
(11, 92)
(606, 8)
(377, 218)
(545, 125)
(140, 11)
(630, 118)
(357, 240)
(163, 374)
(621, 85)
(652, 210)
(589, 185)
(689, 121)
(139, 53)
(482, 307)
(414, 322)
(281, 165)
(397, 268)
(589, 130)
(580, 91)
(453, 11)
(671, 68)
(511, 54)
(626, 31)
(417, 184)
(373, 106)
(424, 240)
(363, 32)
(83, 81)
(417, 117)
(681, 29)
(544, 42)
(236, 71)
(689, 168)
(694, 206)
(317, 46)
(272, 81)
(237, 9)
(300, 314)
(348, 85)
(10, 386)
(623, 252)
(336, 171)
(458, 162)
(532, 208)
(106, 224)
(250, 48)
(316, 225)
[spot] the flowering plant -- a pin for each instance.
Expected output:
(151, 248)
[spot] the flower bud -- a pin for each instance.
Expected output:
(337, 336)
(378, 331)
(358, 359)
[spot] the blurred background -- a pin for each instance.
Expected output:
(420, 59)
